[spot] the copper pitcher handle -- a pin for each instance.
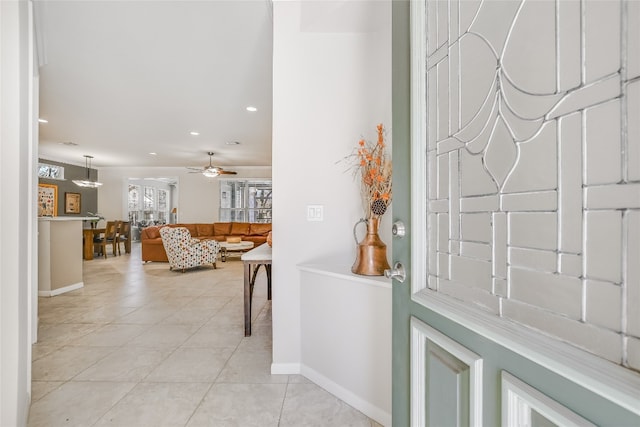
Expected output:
(355, 237)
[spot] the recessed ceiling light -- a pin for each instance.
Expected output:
(153, 154)
(232, 142)
(194, 133)
(43, 120)
(252, 109)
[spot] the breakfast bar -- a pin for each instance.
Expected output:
(252, 260)
(59, 254)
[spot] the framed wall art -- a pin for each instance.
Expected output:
(72, 203)
(47, 200)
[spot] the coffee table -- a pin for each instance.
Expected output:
(227, 248)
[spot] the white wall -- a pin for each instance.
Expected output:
(17, 200)
(198, 196)
(331, 86)
(347, 349)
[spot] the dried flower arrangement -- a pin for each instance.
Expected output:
(372, 166)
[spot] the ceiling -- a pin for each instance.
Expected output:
(122, 79)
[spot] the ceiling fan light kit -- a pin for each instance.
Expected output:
(87, 183)
(211, 171)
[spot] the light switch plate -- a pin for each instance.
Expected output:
(315, 212)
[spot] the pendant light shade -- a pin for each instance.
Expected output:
(87, 182)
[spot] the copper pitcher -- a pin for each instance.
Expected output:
(371, 257)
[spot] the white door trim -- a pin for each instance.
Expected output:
(420, 333)
(604, 378)
(519, 398)
(419, 252)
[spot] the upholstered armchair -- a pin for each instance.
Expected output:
(184, 251)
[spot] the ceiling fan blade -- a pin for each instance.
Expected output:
(210, 170)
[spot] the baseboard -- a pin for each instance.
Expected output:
(25, 410)
(62, 290)
(285, 368)
(370, 410)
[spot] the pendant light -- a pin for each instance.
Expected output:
(87, 182)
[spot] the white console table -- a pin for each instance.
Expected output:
(252, 261)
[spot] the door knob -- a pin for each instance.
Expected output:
(397, 272)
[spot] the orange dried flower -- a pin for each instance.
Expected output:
(372, 165)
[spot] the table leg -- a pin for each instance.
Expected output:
(88, 244)
(268, 267)
(253, 276)
(247, 299)
(249, 282)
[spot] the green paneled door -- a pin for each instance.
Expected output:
(401, 208)
(457, 361)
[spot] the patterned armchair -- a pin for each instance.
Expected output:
(184, 251)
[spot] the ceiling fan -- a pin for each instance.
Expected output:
(211, 171)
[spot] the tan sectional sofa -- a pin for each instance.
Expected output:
(153, 250)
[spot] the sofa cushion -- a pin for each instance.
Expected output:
(221, 228)
(257, 240)
(152, 232)
(204, 230)
(239, 228)
(256, 229)
(192, 229)
(156, 241)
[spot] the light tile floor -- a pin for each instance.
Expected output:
(141, 346)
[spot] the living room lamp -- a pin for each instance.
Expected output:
(87, 182)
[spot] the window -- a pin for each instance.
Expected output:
(50, 171)
(149, 198)
(134, 204)
(148, 204)
(245, 201)
(163, 205)
(134, 197)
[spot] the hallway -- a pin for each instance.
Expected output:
(140, 346)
